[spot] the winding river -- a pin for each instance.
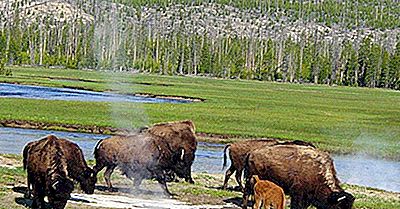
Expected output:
(52, 93)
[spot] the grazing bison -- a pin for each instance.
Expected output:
(77, 168)
(306, 174)
(239, 150)
(175, 140)
(47, 172)
(267, 193)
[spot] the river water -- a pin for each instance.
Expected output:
(353, 169)
(51, 93)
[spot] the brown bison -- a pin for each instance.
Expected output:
(152, 153)
(306, 174)
(239, 150)
(47, 172)
(77, 168)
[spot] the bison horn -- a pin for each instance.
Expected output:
(182, 154)
(54, 185)
(341, 198)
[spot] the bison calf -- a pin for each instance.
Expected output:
(306, 174)
(267, 193)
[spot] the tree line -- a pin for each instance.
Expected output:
(119, 37)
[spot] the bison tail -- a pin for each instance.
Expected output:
(96, 148)
(25, 156)
(226, 147)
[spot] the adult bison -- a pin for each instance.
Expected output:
(239, 150)
(77, 168)
(306, 174)
(179, 136)
(47, 172)
(152, 153)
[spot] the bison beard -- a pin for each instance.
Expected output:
(158, 152)
(239, 150)
(305, 173)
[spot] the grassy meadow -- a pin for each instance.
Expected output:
(337, 119)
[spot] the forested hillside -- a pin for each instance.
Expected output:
(353, 43)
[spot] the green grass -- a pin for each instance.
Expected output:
(338, 119)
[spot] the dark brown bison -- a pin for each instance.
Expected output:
(172, 147)
(47, 172)
(180, 137)
(77, 168)
(239, 150)
(306, 174)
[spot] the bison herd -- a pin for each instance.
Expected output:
(167, 150)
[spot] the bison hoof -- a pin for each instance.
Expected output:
(169, 194)
(112, 189)
(27, 195)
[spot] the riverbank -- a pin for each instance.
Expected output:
(206, 190)
(336, 119)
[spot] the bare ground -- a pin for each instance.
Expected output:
(205, 193)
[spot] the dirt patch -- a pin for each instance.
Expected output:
(182, 98)
(204, 137)
(9, 162)
(128, 201)
(61, 127)
(367, 193)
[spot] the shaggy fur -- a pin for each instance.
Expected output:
(169, 148)
(77, 168)
(239, 150)
(306, 174)
(47, 172)
(266, 194)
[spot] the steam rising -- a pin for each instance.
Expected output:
(109, 44)
(363, 169)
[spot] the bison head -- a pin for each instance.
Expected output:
(184, 165)
(341, 200)
(88, 181)
(60, 191)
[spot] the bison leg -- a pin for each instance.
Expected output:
(107, 176)
(163, 183)
(137, 181)
(38, 196)
(228, 175)
(57, 203)
(246, 193)
(257, 202)
(28, 193)
(297, 202)
(165, 188)
(238, 176)
(98, 167)
(189, 180)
